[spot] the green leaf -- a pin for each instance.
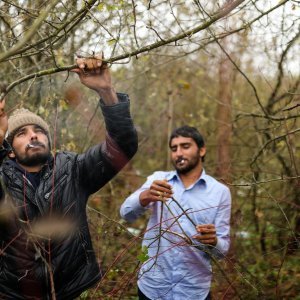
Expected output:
(183, 84)
(101, 6)
(111, 42)
(111, 7)
(143, 255)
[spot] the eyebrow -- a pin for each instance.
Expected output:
(21, 129)
(38, 127)
(181, 144)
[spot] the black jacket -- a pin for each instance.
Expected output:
(34, 265)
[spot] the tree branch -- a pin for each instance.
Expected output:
(272, 140)
(220, 14)
(29, 33)
(76, 19)
(272, 100)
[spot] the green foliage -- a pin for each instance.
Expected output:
(143, 255)
(110, 7)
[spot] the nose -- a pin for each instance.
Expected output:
(178, 152)
(33, 135)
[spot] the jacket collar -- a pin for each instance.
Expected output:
(12, 164)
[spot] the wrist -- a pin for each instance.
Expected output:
(108, 95)
(144, 200)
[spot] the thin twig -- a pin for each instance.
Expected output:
(30, 33)
(215, 17)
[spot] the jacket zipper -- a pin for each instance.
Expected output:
(57, 184)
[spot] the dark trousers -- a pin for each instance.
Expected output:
(143, 297)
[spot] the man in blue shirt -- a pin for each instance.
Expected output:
(189, 223)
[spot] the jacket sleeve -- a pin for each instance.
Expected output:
(4, 150)
(102, 162)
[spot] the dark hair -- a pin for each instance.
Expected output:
(188, 131)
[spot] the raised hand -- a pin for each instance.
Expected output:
(160, 190)
(95, 74)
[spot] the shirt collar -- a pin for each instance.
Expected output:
(174, 174)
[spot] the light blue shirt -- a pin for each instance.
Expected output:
(176, 269)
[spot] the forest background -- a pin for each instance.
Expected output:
(229, 68)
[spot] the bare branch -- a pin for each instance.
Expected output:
(223, 12)
(30, 33)
(74, 20)
(239, 116)
(270, 141)
(271, 100)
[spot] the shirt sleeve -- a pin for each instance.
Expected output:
(222, 224)
(132, 209)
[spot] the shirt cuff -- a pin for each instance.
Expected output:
(139, 208)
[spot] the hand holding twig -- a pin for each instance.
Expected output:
(160, 190)
(95, 74)
(207, 234)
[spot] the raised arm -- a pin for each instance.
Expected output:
(94, 74)
(102, 162)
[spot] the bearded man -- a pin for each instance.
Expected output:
(189, 222)
(45, 244)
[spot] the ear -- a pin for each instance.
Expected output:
(202, 151)
(11, 154)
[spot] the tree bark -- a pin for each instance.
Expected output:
(223, 118)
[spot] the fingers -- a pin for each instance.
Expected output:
(158, 195)
(78, 71)
(162, 186)
(207, 239)
(160, 190)
(207, 234)
(89, 63)
(206, 228)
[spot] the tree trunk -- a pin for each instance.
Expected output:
(223, 118)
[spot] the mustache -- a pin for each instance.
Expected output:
(181, 159)
(34, 144)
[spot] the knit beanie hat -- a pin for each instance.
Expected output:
(22, 117)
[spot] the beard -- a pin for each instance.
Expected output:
(187, 166)
(36, 159)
